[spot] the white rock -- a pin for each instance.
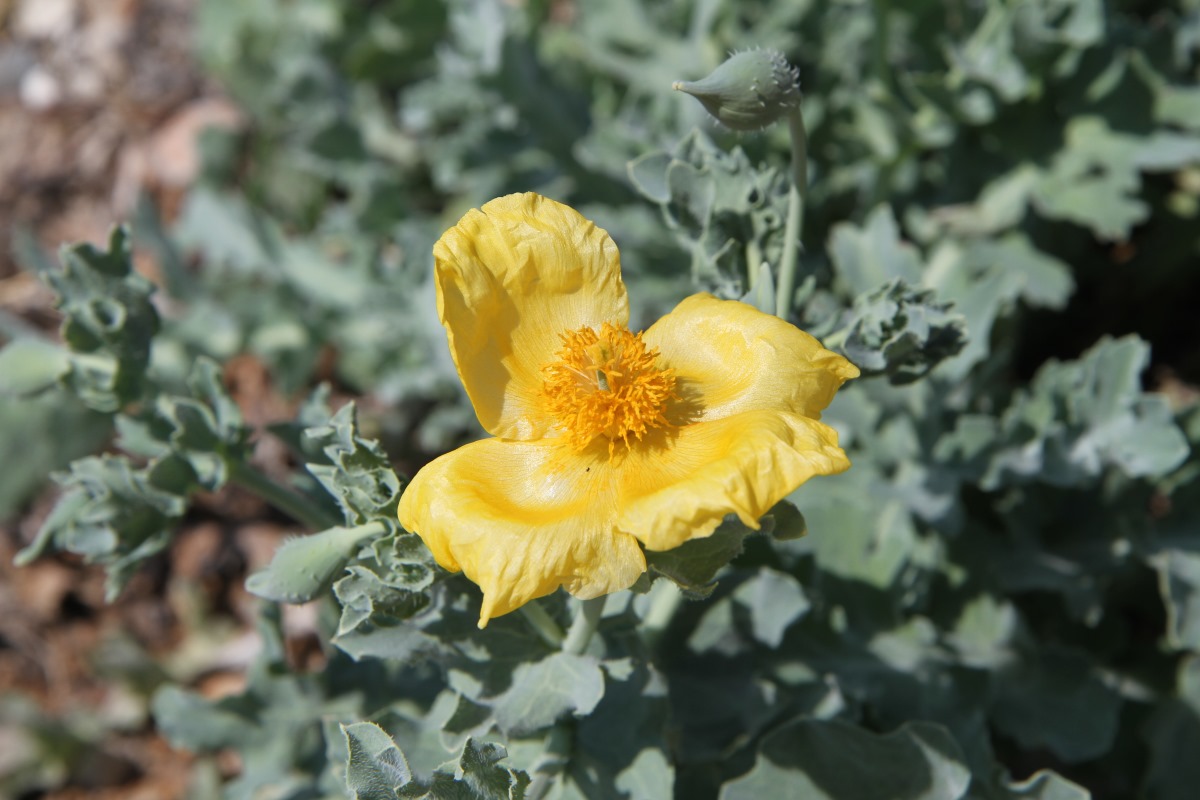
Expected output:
(39, 89)
(44, 19)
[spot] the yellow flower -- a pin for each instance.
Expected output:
(605, 440)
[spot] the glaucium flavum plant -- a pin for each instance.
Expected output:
(605, 441)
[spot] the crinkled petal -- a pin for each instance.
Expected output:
(730, 357)
(511, 277)
(679, 485)
(521, 519)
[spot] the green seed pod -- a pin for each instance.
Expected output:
(750, 91)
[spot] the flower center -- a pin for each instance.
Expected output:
(608, 384)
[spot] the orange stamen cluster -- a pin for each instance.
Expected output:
(607, 384)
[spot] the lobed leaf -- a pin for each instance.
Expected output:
(901, 332)
(1080, 418)
(391, 581)
(826, 759)
(375, 767)
(359, 474)
(114, 513)
(546, 690)
(1057, 700)
(693, 566)
(866, 258)
(108, 322)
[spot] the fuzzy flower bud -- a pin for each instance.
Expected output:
(750, 91)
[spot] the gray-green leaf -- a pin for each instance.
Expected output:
(834, 760)
(546, 690)
(375, 767)
(303, 568)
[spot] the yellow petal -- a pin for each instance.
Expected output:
(681, 484)
(521, 519)
(730, 357)
(511, 277)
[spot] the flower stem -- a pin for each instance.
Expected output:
(753, 261)
(797, 195)
(561, 738)
(583, 626)
(543, 624)
(836, 339)
(296, 506)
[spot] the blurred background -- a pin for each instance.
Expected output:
(101, 103)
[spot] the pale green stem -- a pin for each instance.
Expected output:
(836, 340)
(797, 195)
(561, 737)
(296, 506)
(754, 260)
(583, 626)
(799, 136)
(754, 255)
(543, 624)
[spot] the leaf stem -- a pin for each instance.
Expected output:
(562, 736)
(797, 195)
(754, 259)
(587, 617)
(543, 624)
(836, 339)
(296, 506)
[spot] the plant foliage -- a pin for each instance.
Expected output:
(1000, 600)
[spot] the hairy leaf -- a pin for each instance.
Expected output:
(303, 568)
(359, 475)
(693, 565)
(546, 690)
(108, 322)
(901, 332)
(375, 767)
